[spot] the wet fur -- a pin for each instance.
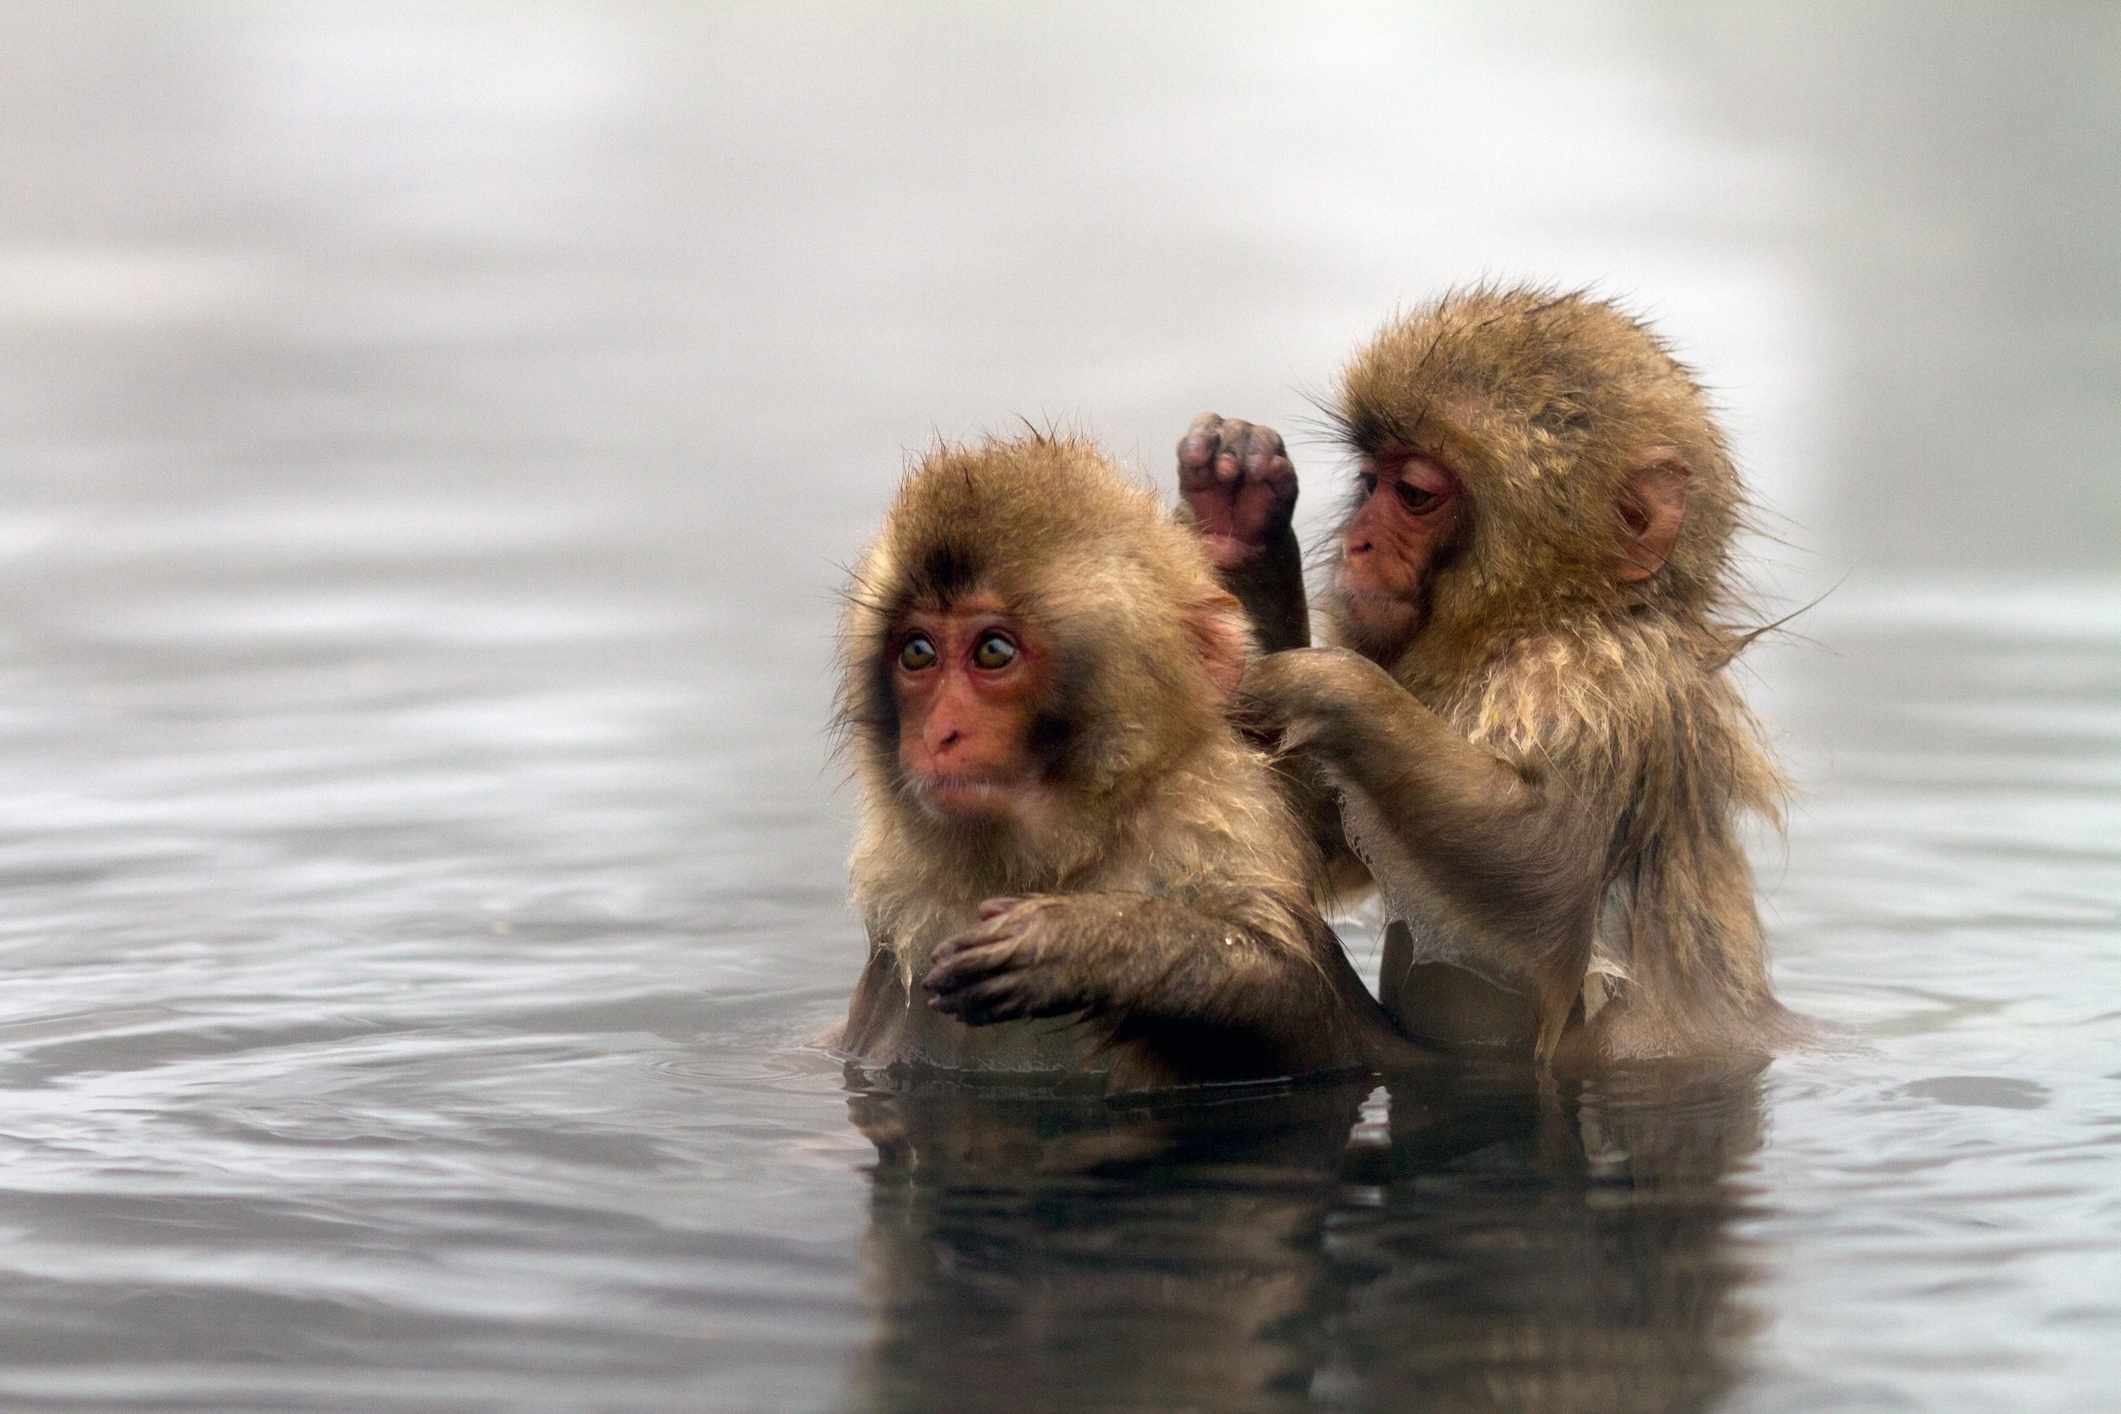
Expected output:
(1150, 790)
(1610, 701)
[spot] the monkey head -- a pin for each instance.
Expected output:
(1524, 456)
(1028, 639)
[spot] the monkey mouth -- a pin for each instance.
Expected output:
(1378, 618)
(1376, 604)
(969, 794)
(1374, 598)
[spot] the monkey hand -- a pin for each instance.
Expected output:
(1238, 484)
(1302, 695)
(1020, 961)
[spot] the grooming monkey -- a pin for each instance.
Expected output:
(1528, 724)
(1066, 857)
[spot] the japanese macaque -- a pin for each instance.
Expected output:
(1537, 753)
(1067, 858)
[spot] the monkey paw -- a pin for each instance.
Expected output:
(1238, 483)
(1304, 689)
(1012, 965)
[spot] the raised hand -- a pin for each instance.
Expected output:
(1238, 483)
(1239, 491)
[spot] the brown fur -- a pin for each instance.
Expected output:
(1543, 403)
(1596, 881)
(1179, 863)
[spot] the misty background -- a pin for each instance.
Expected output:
(646, 274)
(430, 437)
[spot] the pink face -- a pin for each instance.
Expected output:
(968, 681)
(1408, 515)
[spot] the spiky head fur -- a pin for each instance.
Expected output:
(1544, 404)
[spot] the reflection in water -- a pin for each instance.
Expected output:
(1096, 1254)
(1494, 1245)
(1552, 1250)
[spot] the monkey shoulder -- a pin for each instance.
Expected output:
(1222, 837)
(1628, 722)
(1582, 701)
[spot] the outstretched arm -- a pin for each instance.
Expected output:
(1510, 853)
(1221, 997)
(1239, 491)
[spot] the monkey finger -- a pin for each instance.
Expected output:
(1278, 472)
(968, 959)
(1265, 459)
(998, 999)
(1267, 502)
(1254, 442)
(992, 929)
(1198, 450)
(995, 907)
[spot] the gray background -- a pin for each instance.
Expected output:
(430, 436)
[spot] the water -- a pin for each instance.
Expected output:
(429, 440)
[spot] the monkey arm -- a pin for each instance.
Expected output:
(1170, 972)
(1268, 581)
(1504, 848)
(1270, 585)
(1339, 712)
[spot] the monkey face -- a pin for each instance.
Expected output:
(967, 679)
(1406, 514)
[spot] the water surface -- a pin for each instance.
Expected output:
(429, 440)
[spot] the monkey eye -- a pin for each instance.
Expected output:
(916, 653)
(994, 651)
(1415, 498)
(1367, 481)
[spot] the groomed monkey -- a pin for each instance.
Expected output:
(1067, 858)
(1528, 722)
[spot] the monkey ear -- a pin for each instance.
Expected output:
(1652, 509)
(1217, 627)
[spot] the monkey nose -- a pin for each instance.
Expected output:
(1358, 547)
